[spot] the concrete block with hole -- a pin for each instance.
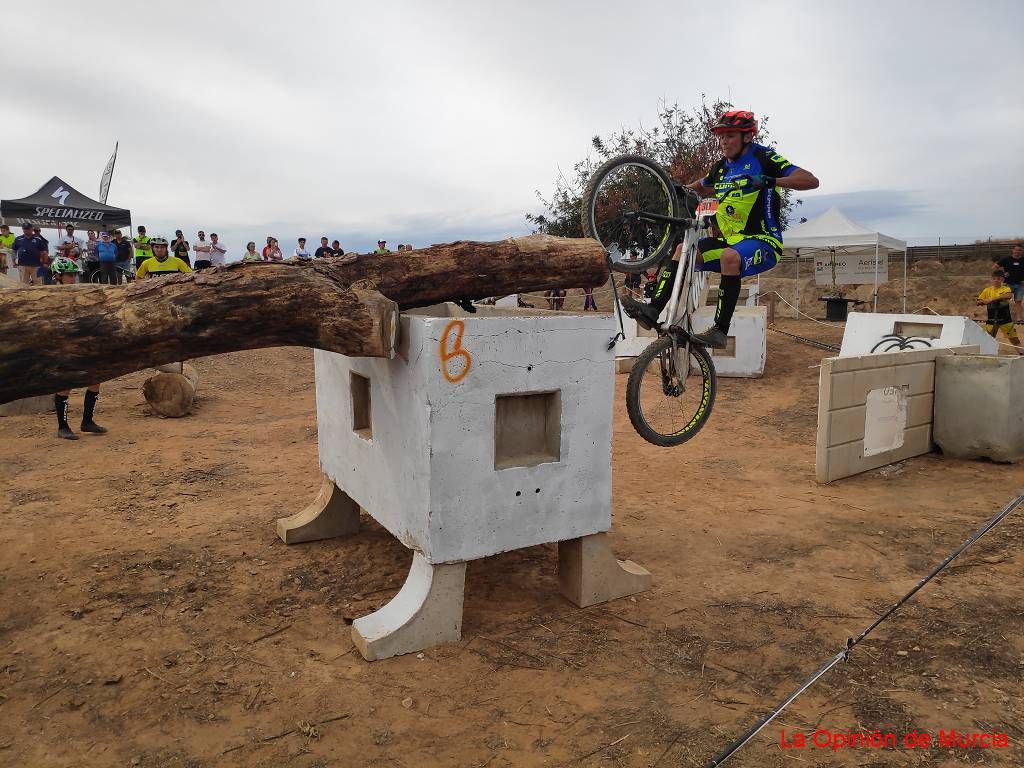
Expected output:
(747, 346)
(487, 433)
(868, 333)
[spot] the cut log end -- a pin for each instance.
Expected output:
(172, 394)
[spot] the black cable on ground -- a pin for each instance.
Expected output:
(805, 340)
(729, 751)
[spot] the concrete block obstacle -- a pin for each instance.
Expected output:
(869, 333)
(486, 433)
(743, 357)
(747, 345)
(978, 411)
(875, 409)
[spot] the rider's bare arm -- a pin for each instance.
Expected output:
(700, 187)
(801, 178)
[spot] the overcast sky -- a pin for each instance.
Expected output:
(438, 120)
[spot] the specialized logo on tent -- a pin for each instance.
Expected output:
(61, 195)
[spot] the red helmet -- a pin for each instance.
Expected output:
(736, 120)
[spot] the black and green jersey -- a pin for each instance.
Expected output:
(743, 211)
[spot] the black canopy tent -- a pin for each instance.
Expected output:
(57, 204)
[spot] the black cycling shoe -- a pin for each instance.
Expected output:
(92, 426)
(713, 337)
(643, 313)
(66, 433)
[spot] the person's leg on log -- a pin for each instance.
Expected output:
(744, 257)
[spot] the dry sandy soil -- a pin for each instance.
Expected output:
(151, 617)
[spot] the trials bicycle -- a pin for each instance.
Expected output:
(640, 215)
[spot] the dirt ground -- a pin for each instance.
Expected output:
(151, 617)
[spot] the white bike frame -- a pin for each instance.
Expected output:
(690, 282)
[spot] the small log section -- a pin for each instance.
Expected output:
(172, 390)
(54, 338)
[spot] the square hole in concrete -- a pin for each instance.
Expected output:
(908, 329)
(359, 386)
(527, 429)
(730, 348)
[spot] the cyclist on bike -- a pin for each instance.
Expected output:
(744, 182)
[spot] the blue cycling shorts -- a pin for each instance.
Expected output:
(756, 255)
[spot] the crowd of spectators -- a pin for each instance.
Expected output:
(113, 258)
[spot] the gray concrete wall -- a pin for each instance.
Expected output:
(979, 407)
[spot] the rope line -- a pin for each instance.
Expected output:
(851, 642)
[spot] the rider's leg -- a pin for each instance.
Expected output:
(60, 405)
(648, 314)
(744, 258)
(88, 425)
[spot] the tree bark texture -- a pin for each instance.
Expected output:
(54, 338)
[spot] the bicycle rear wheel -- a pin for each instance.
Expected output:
(669, 399)
(616, 197)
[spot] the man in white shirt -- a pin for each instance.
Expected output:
(300, 249)
(202, 251)
(217, 250)
(72, 247)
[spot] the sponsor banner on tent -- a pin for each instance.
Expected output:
(853, 266)
(57, 203)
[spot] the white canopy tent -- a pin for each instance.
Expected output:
(834, 231)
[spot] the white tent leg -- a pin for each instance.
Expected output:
(875, 307)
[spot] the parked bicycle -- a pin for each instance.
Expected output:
(639, 214)
(123, 275)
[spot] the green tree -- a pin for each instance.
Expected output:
(681, 141)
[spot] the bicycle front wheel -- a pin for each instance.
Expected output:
(615, 202)
(669, 399)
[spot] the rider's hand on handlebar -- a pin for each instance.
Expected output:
(758, 181)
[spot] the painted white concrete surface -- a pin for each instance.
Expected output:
(427, 473)
(865, 330)
(749, 327)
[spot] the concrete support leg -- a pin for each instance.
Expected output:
(588, 572)
(427, 611)
(332, 513)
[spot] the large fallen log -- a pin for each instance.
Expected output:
(54, 338)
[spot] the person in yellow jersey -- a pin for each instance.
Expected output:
(161, 263)
(143, 247)
(6, 248)
(996, 299)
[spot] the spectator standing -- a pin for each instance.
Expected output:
(124, 255)
(382, 247)
(65, 270)
(91, 259)
(1013, 267)
(43, 274)
(6, 248)
(180, 247)
(589, 303)
(217, 251)
(143, 250)
(162, 263)
(106, 255)
(996, 299)
(201, 249)
(300, 249)
(71, 247)
(272, 251)
(336, 249)
(29, 252)
(323, 250)
(250, 253)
